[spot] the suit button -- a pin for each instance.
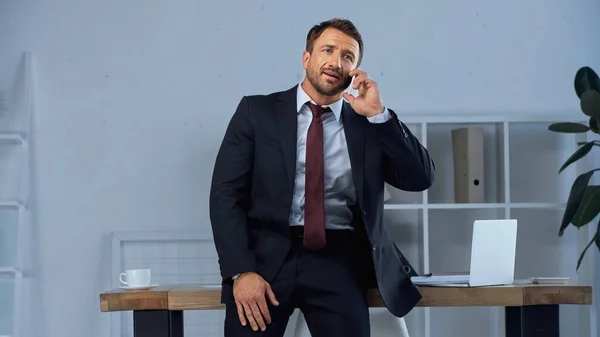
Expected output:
(364, 212)
(374, 246)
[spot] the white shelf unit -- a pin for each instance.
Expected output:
(521, 181)
(15, 115)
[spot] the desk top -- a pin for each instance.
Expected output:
(198, 297)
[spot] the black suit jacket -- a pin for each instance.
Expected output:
(253, 182)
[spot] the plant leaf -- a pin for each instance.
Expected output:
(589, 207)
(585, 250)
(594, 125)
(590, 103)
(597, 236)
(596, 239)
(586, 79)
(569, 127)
(575, 196)
(580, 153)
(596, 143)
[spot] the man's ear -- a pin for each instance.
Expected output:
(305, 59)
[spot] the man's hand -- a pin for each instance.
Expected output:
(368, 102)
(249, 291)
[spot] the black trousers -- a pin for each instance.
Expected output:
(327, 286)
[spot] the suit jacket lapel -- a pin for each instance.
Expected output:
(287, 127)
(355, 129)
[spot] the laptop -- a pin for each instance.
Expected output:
(493, 250)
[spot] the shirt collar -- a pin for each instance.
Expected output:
(303, 98)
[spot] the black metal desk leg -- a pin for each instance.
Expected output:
(532, 321)
(157, 323)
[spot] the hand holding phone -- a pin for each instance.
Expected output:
(365, 100)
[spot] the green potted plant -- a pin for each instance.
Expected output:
(583, 204)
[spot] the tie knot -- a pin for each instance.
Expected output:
(317, 110)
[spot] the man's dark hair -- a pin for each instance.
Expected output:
(343, 25)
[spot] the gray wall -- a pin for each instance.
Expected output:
(134, 97)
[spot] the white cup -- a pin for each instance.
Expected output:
(136, 277)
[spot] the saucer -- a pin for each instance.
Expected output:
(139, 288)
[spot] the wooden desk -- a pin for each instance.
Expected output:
(531, 310)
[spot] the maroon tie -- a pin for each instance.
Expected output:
(314, 205)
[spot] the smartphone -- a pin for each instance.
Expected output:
(350, 90)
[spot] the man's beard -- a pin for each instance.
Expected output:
(316, 80)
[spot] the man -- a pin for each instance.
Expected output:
(296, 202)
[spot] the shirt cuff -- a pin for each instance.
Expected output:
(381, 118)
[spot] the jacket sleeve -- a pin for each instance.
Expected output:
(406, 163)
(230, 193)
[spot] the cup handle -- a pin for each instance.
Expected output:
(121, 278)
